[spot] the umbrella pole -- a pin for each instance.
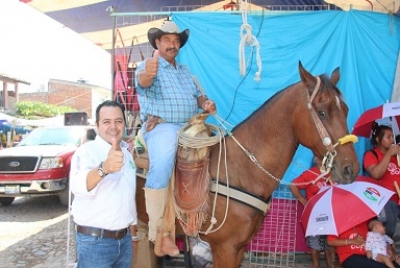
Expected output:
(397, 186)
(397, 155)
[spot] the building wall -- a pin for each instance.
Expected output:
(82, 97)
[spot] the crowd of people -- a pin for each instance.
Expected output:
(368, 244)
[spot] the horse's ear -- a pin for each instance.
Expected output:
(308, 79)
(335, 76)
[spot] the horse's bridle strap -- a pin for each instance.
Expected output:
(240, 196)
(318, 124)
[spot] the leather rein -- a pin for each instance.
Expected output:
(259, 203)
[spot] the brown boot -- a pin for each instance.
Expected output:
(155, 206)
(168, 246)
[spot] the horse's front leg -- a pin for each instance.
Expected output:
(225, 256)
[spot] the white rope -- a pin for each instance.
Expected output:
(199, 142)
(247, 39)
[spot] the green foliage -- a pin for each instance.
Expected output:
(39, 109)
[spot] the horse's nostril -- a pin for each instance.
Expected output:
(348, 173)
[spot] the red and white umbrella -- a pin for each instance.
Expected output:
(338, 208)
(363, 125)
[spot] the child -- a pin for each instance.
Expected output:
(377, 244)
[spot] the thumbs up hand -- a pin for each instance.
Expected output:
(152, 65)
(115, 158)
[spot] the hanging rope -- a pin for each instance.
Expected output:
(248, 39)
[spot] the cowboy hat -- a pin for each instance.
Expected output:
(168, 27)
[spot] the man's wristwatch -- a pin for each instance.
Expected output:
(100, 171)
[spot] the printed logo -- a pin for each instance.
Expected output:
(323, 218)
(393, 169)
(14, 164)
(372, 194)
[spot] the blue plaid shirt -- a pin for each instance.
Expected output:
(172, 96)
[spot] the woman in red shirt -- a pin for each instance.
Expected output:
(381, 164)
(350, 248)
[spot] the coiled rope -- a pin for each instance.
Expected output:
(199, 142)
(248, 39)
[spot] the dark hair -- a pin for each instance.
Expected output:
(378, 131)
(397, 139)
(109, 103)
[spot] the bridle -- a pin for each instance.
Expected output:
(327, 161)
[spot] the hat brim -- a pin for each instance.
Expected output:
(155, 33)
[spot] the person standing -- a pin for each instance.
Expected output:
(307, 182)
(168, 98)
(380, 162)
(3, 139)
(103, 181)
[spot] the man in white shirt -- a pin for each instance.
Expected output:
(103, 181)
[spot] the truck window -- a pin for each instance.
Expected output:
(90, 135)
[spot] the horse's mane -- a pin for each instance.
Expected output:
(326, 86)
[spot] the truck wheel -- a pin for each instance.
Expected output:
(64, 197)
(6, 201)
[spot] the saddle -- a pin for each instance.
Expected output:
(190, 180)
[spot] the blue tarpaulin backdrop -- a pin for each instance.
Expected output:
(365, 45)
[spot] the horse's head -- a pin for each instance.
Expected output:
(327, 134)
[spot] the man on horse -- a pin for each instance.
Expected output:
(168, 97)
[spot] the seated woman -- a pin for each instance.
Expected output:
(350, 248)
(381, 164)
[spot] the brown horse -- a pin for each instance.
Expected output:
(272, 135)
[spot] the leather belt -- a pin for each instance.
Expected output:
(93, 231)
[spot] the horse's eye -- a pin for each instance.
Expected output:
(322, 114)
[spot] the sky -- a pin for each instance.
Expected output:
(36, 48)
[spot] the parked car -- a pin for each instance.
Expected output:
(40, 164)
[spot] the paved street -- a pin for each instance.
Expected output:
(33, 233)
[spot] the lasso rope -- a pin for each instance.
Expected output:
(186, 140)
(201, 142)
(247, 38)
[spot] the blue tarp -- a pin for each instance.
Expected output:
(365, 45)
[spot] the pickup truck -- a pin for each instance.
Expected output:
(39, 165)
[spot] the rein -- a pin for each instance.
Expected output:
(327, 162)
(242, 196)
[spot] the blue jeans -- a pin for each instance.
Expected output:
(100, 252)
(162, 142)
(392, 212)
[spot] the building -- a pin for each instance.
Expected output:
(9, 97)
(78, 95)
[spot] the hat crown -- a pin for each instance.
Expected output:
(169, 27)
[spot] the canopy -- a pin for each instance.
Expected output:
(91, 18)
(51, 121)
(6, 127)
